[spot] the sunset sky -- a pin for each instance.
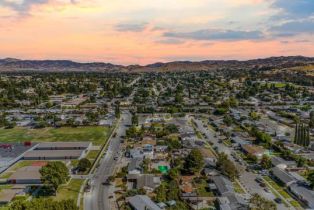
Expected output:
(147, 31)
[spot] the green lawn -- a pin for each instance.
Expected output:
(92, 154)
(95, 134)
(69, 191)
(237, 187)
(199, 134)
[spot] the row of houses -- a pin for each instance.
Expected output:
(296, 185)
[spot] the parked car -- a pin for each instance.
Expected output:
(259, 180)
(87, 188)
(262, 184)
(278, 200)
(106, 182)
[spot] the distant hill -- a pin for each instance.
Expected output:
(12, 64)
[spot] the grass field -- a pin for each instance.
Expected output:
(69, 191)
(95, 134)
(92, 154)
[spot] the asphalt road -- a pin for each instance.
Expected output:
(98, 197)
(247, 179)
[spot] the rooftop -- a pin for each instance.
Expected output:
(142, 202)
(58, 154)
(27, 172)
(282, 175)
(253, 149)
(304, 194)
(57, 145)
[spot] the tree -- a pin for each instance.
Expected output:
(261, 136)
(134, 119)
(252, 158)
(233, 102)
(301, 161)
(226, 166)
(310, 177)
(254, 115)
(54, 174)
(311, 124)
(178, 98)
(259, 203)
(194, 161)
(161, 193)
(227, 120)
(302, 135)
(43, 203)
(173, 173)
(221, 111)
(117, 111)
(84, 164)
(174, 191)
(265, 162)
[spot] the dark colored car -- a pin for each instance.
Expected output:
(87, 188)
(106, 182)
(262, 184)
(278, 200)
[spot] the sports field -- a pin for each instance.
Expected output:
(96, 134)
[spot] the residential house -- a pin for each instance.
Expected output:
(281, 163)
(282, 176)
(224, 188)
(304, 194)
(254, 150)
(136, 153)
(186, 185)
(143, 181)
(135, 166)
(142, 202)
(148, 151)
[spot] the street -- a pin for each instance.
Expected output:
(98, 198)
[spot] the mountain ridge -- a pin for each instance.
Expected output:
(14, 64)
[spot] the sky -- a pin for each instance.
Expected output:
(148, 31)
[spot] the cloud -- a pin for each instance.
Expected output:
(293, 28)
(23, 7)
(132, 27)
(231, 35)
(295, 41)
(170, 41)
(294, 8)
